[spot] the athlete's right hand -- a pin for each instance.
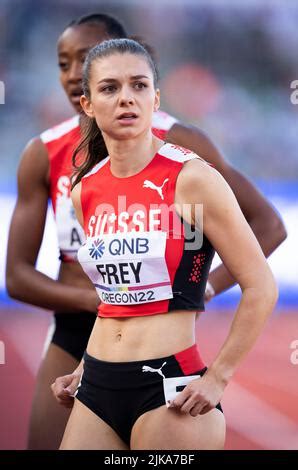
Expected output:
(64, 388)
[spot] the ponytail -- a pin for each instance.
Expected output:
(90, 151)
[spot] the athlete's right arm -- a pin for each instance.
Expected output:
(23, 281)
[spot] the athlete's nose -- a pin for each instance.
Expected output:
(75, 72)
(126, 97)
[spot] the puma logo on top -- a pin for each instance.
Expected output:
(151, 369)
(149, 184)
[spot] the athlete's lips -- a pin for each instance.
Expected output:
(127, 116)
(75, 94)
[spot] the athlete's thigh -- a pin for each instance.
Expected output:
(86, 431)
(164, 428)
(48, 417)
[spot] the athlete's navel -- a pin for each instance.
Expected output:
(118, 336)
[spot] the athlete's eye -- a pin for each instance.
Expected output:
(109, 89)
(140, 85)
(63, 66)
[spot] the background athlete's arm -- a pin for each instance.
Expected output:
(76, 201)
(261, 216)
(23, 281)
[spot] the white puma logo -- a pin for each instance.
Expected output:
(149, 184)
(150, 369)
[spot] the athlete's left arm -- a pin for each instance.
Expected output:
(231, 236)
(259, 213)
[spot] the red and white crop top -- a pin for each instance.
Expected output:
(140, 255)
(60, 142)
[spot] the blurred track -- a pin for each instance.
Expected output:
(260, 403)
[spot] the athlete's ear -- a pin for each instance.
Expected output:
(87, 106)
(157, 99)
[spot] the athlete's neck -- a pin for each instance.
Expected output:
(129, 157)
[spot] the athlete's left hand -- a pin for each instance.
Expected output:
(200, 396)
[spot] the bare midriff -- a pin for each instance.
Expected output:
(137, 338)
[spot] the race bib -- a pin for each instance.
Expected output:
(127, 268)
(70, 233)
(174, 385)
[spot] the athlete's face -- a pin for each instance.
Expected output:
(122, 95)
(73, 46)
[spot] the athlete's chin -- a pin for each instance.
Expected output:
(127, 134)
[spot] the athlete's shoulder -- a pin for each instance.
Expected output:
(177, 153)
(97, 167)
(34, 163)
(198, 175)
(34, 146)
(60, 130)
(193, 168)
(163, 120)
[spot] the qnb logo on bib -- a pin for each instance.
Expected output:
(127, 269)
(97, 249)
